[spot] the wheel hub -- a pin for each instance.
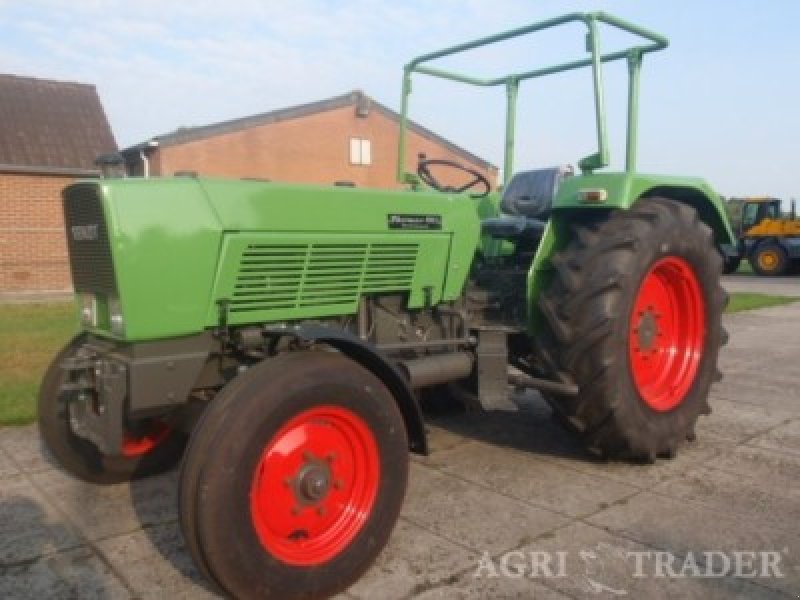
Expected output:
(314, 485)
(134, 446)
(667, 333)
(647, 331)
(768, 260)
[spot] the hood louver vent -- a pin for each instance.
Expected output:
(297, 276)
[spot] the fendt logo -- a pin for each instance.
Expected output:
(84, 233)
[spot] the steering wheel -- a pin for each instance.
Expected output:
(423, 170)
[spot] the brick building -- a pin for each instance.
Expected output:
(345, 138)
(50, 134)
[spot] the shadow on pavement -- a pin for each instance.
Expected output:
(531, 429)
(166, 537)
(40, 558)
(32, 534)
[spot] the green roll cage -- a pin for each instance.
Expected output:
(597, 160)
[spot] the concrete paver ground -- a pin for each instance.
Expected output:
(788, 285)
(493, 484)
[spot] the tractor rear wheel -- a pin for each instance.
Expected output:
(294, 478)
(770, 258)
(155, 448)
(633, 317)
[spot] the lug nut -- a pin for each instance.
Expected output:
(321, 511)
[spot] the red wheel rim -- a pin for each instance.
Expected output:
(315, 485)
(667, 333)
(133, 446)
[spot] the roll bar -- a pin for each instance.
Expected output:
(597, 160)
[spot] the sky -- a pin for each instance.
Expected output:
(721, 102)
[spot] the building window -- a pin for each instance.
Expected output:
(360, 152)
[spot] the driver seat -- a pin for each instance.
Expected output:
(526, 204)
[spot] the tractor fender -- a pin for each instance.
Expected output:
(624, 190)
(709, 211)
(370, 358)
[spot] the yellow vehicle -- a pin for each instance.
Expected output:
(769, 241)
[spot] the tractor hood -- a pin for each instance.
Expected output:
(158, 245)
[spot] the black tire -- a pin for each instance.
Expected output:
(80, 457)
(587, 318)
(769, 259)
(730, 264)
(225, 451)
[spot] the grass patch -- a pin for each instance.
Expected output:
(31, 335)
(740, 301)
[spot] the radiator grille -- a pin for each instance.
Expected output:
(87, 240)
(295, 276)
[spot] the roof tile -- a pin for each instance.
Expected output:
(51, 124)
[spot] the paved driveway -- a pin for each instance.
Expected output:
(493, 484)
(748, 282)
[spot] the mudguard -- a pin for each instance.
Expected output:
(369, 357)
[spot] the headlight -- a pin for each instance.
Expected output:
(89, 310)
(115, 317)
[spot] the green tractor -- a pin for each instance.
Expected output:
(277, 337)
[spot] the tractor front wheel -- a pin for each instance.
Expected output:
(633, 317)
(153, 448)
(294, 478)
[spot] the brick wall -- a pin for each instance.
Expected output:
(310, 149)
(33, 251)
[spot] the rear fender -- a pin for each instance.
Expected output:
(623, 191)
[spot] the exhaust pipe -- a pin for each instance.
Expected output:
(436, 369)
